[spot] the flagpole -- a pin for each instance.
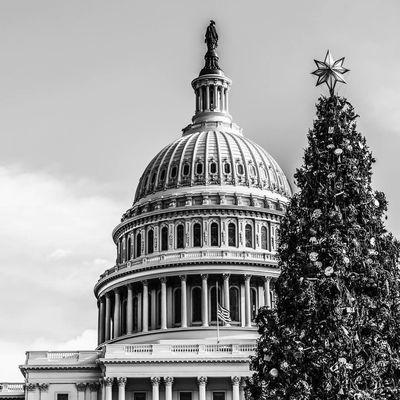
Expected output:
(216, 303)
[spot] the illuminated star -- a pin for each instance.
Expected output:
(330, 71)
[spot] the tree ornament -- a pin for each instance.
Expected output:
(274, 372)
(317, 213)
(338, 151)
(329, 271)
(313, 256)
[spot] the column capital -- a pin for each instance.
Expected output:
(226, 276)
(202, 380)
(183, 277)
(267, 278)
(30, 387)
(235, 380)
(168, 380)
(81, 386)
(130, 286)
(163, 279)
(145, 282)
(247, 277)
(109, 381)
(43, 387)
(108, 294)
(94, 386)
(121, 381)
(117, 290)
(155, 380)
(204, 276)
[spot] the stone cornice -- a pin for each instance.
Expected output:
(25, 368)
(242, 360)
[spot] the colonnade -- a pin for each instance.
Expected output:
(143, 310)
(168, 382)
(212, 97)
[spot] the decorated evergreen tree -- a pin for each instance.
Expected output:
(335, 332)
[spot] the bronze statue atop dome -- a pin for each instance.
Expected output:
(211, 57)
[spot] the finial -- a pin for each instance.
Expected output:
(330, 72)
(211, 57)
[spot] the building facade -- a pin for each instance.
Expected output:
(202, 230)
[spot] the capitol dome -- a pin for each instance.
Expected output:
(202, 231)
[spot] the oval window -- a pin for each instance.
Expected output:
(199, 168)
(213, 168)
(186, 170)
(174, 171)
(227, 168)
(240, 169)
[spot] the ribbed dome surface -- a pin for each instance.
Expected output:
(213, 157)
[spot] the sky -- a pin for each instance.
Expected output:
(90, 91)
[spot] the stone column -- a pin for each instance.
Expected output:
(222, 98)
(247, 299)
(153, 315)
(101, 323)
(107, 333)
(204, 300)
(129, 310)
(109, 383)
(226, 101)
(183, 302)
(168, 380)
(94, 388)
(139, 312)
(267, 292)
(163, 303)
(202, 381)
(30, 389)
(145, 302)
(235, 388)
(117, 313)
(226, 293)
(121, 388)
(155, 384)
(81, 388)
(43, 389)
(207, 105)
(216, 100)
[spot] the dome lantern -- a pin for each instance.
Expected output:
(212, 86)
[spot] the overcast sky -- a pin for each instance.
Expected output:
(91, 90)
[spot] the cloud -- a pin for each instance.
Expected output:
(55, 238)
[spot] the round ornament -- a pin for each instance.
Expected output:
(328, 271)
(313, 256)
(274, 372)
(338, 151)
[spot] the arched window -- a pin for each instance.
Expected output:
(129, 249)
(227, 168)
(252, 170)
(240, 169)
(249, 235)
(164, 238)
(264, 238)
(234, 303)
(174, 171)
(254, 303)
(186, 169)
(213, 167)
(196, 235)
(199, 168)
(213, 302)
(150, 241)
(162, 175)
(179, 237)
(138, 245)
(196, 304)
(177, 306)
(214, 234)
(232, 235)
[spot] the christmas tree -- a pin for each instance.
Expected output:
(335, 332)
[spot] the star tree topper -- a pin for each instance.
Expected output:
(330, 72)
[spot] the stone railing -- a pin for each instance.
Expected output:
(61, 357)
(179, 350)
(12, 389)
(183, 256)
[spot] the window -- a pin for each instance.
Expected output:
(185, 396)
(129, 249)
(174, 170)
(179, 237)
(218, 395)
(254, 307)
(234, 303)
(177, 306)
(227, 168)
(139, 396)
(214, 234)
(196, 235)
(138, 245)
(232, 234)
(264, 238)
(164, 238)
(252, 170)
(249, 235)
(199, 168)
(186, 170)
(240, 169)
(213, 302)
(150, 241)
(196, 304)
(62, 396)
(162, 175)
(213, 167)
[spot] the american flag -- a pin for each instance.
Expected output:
(223, 314)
